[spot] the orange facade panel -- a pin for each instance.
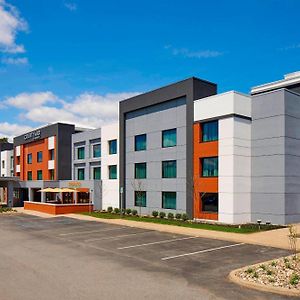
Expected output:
(34, 148)
(203, 184)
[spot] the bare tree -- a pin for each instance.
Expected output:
(293, 241)
(137, 186)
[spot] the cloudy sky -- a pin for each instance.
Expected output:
(73, 60)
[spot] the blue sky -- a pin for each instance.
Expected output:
(73, 60)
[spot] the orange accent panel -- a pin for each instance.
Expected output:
(203, 184)
(58, 209)
(34, 148)
(83, 190)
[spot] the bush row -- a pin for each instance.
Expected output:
(155, 213)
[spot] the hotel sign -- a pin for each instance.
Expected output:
(74, 184)
(33, 135)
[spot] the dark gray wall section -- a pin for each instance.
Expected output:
(63, 133)
(191, 89)
(6, 146)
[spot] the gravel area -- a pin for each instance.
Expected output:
(283, 272)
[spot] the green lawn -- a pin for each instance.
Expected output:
(245, 228)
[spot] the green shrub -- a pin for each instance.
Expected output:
(255, 275)
(170, 216)
(116, 210)
(263, 267)
(273, 263)
(162, 214)
(109, 209)
(249, 270)
(185, 217)
(178, 216)
(294, 279)
(155, 214)
(134, 212)
(286, 260)
(288, 266)
(128, 211)
(269, 272)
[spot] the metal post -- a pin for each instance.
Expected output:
(121, 203)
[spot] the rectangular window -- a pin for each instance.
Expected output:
(210, 167)
(39, 175)
(29, 175)
(140, 170)
(209, 202)
(112, 145)
(80, 174)
(40, 156)
(29, 158)
(169, 138)
(112, 172)
(3, 164)
(97, 150)
(97, 173)
(140, 142)
(80, 153)
(210, 131)
(169, 200)
(169, 169)
(140, 198)
(51, 174)
(51, 154)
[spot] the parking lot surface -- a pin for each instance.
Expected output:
(65, 258)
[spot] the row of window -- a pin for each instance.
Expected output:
(39, 175)
(112, 173)
(39, 156)
(168, 199)
(96, 153)
(169, 139)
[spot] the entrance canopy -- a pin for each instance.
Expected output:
(58, 190)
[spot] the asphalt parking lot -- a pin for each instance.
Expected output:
(65, 258)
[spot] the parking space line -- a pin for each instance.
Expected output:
(158, 242)
(202, 251)
(116, 237)
(91, 231)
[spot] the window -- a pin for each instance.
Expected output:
(97, 150)
(80, 153)
(51, 154)
(29, 158)
(80, 174)
(51, 174)
(3, 164)
(39, 175)
(140, 199)
(169, 138)
(209, 202)
(169, 169)
(112, 145)
(11, 162)
(140, 142)
(97, 173)
(112, 172)
(40, 156)
(169, 200)
(140, 170)
(210, 167)
(210, 131)
(29, 175)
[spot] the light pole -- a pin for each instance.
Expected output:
(121, 200)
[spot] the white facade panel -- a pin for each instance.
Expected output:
(7, 163)
(51, 165)
(18, 150)
(51, 142)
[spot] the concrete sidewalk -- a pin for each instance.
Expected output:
(273, 238)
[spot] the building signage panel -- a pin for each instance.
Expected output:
(33, 135)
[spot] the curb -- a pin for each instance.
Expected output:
(260, 287)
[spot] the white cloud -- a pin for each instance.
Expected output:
(70, 6)
(185, 52)
(10, 24)
(27, 101)
(291, 47)
(15, 61)
(86, 110)
(11, 130)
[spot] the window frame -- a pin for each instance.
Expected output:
(94, 169)
(135, 142)
(162, 198)
(202, 205)
(135, 170)
(29, 178)
(39, 172)
(78, 151)
(162, 168)
(96, 145)
(109, 172)
(79, 170)
(143, 199)
(38, 159)
(109, 147)
(162, 137)
(29, 162)
(202, 131)
(202, 167)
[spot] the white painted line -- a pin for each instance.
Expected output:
(159, 242)
(116, 237)
(91, 231)
(202, 251)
